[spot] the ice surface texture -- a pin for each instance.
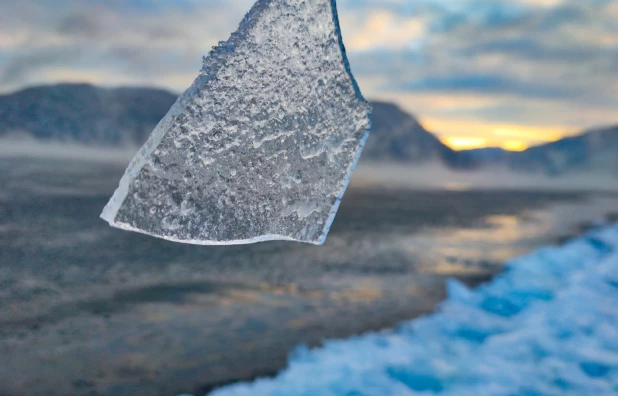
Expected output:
(548, 326)
(262, 145)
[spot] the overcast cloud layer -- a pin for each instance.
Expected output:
(506, 72)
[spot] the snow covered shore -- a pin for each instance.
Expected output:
(547, 326)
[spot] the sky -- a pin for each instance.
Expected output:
(478, 73)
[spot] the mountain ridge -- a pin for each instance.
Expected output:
(112, 117)
(83, 113)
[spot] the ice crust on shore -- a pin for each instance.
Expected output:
(547, 326)
(262, 145)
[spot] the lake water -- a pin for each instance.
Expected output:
(87, 309)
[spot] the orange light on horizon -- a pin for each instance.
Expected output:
(464, 142)
(514, 145)
(459, 143)
(537, 134)
(465, 134)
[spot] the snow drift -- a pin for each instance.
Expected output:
(547, 326)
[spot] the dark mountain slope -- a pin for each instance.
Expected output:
(83, 113)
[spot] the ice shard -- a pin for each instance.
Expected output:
(261, 146)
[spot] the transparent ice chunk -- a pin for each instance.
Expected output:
(261, 146)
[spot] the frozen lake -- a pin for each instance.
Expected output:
(87, 309)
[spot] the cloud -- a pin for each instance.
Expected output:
(132, 38)
(551, 63)
(382, 29)
(548, 64)
(486, 83)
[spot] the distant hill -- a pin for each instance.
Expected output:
(489, 154)
(82, 113)
(397, 136)
(593, 150)
(90, 115)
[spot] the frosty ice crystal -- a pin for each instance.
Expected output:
(262, 145)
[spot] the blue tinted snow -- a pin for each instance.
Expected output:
(547, 326)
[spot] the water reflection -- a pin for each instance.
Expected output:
(498, 238)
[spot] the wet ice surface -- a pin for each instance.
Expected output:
(261, 146)
(548, 326)
(89, 308)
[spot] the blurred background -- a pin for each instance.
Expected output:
(495, 133)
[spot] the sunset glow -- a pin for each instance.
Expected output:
(474, 142)
(464, 143)
(514, 145)
(465, 135)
